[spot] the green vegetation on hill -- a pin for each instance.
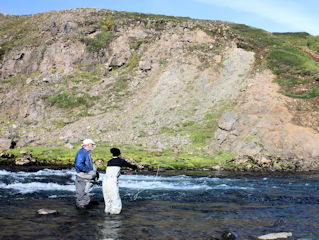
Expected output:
(291, 56)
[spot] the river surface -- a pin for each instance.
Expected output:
(158, 206)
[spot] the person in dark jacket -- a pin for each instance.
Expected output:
(112, 199)
(86, 173)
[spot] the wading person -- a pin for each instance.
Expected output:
(112, 199)
(85, 174)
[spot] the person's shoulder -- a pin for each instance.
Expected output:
(83, 151)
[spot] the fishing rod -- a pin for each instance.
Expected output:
(135, 196)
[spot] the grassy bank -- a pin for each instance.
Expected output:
(150, 158)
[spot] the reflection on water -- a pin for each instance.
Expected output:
(166, 207)
(111, 227)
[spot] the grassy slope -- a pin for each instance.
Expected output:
(286, 55)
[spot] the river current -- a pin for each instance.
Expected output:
(161, 206)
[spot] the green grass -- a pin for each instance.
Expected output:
(284, 54)
(310, 93)
(62, 156)
(133, 62)
(313, 43)
(204, 131)
(66, 100)
(92, 76)
(287, 58)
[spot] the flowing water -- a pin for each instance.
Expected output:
(161, 206)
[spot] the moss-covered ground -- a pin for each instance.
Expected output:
(149, 158)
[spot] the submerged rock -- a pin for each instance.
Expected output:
(271, 236)
(45, 211)
(229, 235)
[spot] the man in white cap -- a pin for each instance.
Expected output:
(85, 174)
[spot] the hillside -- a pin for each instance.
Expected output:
(188, 92)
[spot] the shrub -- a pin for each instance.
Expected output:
(100, 41)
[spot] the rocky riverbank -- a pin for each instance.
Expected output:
(60, 158)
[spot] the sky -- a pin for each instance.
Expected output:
(270, 15)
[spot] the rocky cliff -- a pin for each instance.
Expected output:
(161, 83)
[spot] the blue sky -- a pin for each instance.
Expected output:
(270, 15)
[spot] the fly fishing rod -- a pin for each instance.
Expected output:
(135, 196)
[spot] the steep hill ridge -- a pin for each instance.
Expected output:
(160, 82)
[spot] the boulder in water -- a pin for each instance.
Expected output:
(271, 236)
(229, 235)
(45, 211)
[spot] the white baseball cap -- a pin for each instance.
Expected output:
(87, 141)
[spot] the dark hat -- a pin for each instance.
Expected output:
(115, 151)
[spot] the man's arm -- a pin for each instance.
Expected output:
(127, 164)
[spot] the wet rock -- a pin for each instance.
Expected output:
(6, 143)
(229, 235)
(45, 211)
(271, 236)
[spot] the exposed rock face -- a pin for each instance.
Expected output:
(145, 81)
(261, 130)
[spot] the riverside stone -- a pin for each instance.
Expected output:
(22, 161)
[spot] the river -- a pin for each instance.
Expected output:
(161, 206)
